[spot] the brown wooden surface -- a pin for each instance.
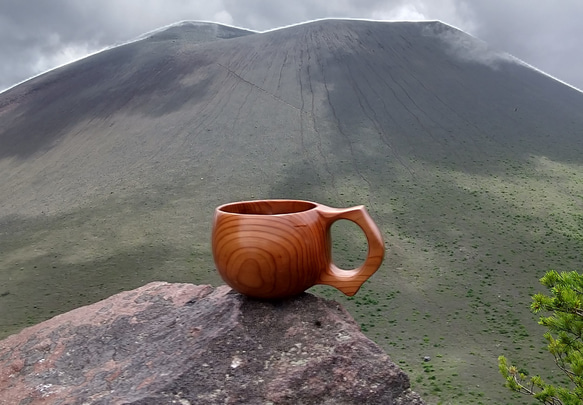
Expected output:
(280, 248)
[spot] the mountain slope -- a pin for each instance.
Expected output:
(467, 159)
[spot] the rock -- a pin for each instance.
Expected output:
(187, 344)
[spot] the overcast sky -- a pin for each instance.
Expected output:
(37, 35)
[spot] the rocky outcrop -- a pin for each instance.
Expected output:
(187, 344)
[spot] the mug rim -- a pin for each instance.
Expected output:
(309, 205)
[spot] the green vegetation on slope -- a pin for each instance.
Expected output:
(464, 252)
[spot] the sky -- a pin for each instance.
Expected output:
(38, 35)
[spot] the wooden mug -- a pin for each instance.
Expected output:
(280, 248)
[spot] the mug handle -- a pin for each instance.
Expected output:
(350, 281)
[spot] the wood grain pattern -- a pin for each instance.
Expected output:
(280, 248)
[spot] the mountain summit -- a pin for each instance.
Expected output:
(306, 96)
(468, 159)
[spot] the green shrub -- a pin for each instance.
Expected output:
(565, 342)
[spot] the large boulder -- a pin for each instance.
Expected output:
(193, 344)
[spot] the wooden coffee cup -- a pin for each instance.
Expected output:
(280, 248)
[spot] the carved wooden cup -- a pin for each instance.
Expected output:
(280, 248)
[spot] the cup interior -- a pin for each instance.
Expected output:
(267, 207)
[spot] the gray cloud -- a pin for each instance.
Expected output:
(468, 48)
(37, 35)
(546, 35)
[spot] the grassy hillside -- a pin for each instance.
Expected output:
(465, 255)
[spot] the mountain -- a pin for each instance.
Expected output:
(468, 159)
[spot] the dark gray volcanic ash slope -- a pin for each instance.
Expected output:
(168, 107)
(112, 166)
